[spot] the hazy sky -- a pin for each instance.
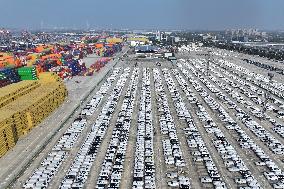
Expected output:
(143, 14)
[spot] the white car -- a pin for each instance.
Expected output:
(206, 180)
(270, 176)
(279, 185)
(260, 163)
(240, 180)
(172, 175)
(173, 183)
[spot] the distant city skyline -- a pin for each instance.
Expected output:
(146, 14)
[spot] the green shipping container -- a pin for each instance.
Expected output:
(26, 70)
(27, 73)
(28, 78)
(2, 76)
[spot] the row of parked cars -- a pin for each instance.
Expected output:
(171, 146)
(48, 168)
(273, 144)
(43, 175)
(173, 155)
(264, 66)
(80, 168)
(237, 89)
(181, 110)
(258, 79)
(277, 107)
(274, 87)
(196, 144)
(277, 113)
(113, 164)
(144, 165)
(274, 174)
(255, 93)
(90, 108)
(228, 154)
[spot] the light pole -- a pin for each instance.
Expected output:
(208, 61)
(266, 94)
(81, 102)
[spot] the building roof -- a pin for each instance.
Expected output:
(146, 48)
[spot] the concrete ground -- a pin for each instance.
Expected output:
(27, 149)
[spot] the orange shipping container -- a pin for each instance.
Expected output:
(99, 45)
(39, 49)
(18, 63)
(1, 65)
(39, 69)
(59, 62)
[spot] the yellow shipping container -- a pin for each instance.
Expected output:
(29, 102)
(14, 95)
(114, 40)
(47, 77)
(140, 39)
(14, 89)
(31, 62)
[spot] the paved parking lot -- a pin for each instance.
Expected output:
(171, 126)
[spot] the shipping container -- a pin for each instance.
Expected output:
(29, 102)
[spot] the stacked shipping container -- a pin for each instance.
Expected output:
(27, 73)
(10, 74)
(25, 104)
(45, 58)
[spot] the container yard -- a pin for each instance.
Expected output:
(33, 82)
(202, 120)
(64, 60)
(142, 95)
